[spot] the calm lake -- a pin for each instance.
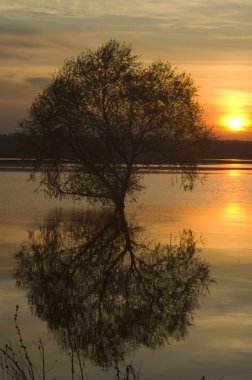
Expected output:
(197, 333)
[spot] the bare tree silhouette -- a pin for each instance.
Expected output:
(105, 112)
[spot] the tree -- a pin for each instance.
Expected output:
(103, 113)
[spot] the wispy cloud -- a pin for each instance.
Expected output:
(19, 31)
(203, 25)
(38, 82)
(12, 56)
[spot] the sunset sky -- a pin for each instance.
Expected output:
(211, 39)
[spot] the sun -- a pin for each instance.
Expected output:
(234, 123)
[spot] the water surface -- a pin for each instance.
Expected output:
(218, 211)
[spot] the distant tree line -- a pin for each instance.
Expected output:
(229, 149)
(10, 147)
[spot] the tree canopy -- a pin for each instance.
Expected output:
(105, 117)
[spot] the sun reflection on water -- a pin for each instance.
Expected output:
(234, 173)
(233, 214)
(233, 209)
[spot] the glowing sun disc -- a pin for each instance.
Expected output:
(234, 123)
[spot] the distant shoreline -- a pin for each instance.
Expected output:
(220, 149)
(213, 164)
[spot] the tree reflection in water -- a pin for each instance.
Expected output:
(104, 289)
